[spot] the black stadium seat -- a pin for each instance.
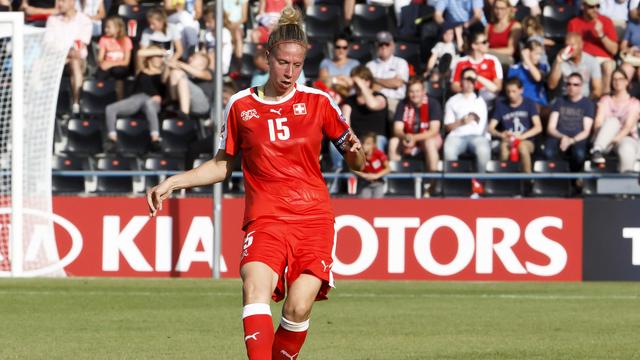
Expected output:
(135, 18)
(323, 22)
(457, 187)
(84, 136)
(96, 95)
(410, 52)
(555, 19)
(497, 187)
(368, 20)
(133, 135)
(551, 187)
(176, 136)
(315, 54)
(590, 186)
(248, 52)
(119, 184)
(68, 184)
(404, 187)
(361, 51)
(160, 163)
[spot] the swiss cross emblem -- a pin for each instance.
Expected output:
(299, 109)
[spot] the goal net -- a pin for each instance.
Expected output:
(31, 66)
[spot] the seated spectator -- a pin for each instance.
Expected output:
(446, 46)
(532, 30)
(36, 12)
(465, 119)
(466, 13)
(618, 12)
(366, 110)
(161, 33)
(390, 72)
(630, 45)
(261, 74)
(616, 124)
(532, 73)
(147, 97)
(209, 16)
(570, 124)
(487, 68)
(516, 123)
(599, 36)
(571, 60)
(114, 54)
(503, 32)
(417, 127)
(191, 84)
(237, 12)
(336, 72)
(73, 29)
(95, 10)
(267, 18)
(376, 166)
(186, 15)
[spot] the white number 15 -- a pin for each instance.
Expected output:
(278, 127)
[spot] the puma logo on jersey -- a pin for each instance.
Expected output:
(249, 114)
(299, 109)
(276, 111)
(252, 336)
(291, 357)
(326, 266)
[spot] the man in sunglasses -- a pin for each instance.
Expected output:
(570, 124)
(390, 73)
(572, 59)
(599, 35)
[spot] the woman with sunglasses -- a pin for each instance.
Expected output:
(615, 126)
(335, 72)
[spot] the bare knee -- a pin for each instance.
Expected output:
(255, 292)
(296, 311)
(175, 76)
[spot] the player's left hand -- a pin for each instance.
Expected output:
(354, 144)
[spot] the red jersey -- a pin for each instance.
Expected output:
(375, 163)
(592, 43)
(489, 67)
(280, 142)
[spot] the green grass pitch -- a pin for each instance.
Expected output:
(200, 319)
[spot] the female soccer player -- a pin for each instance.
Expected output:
(288, 220)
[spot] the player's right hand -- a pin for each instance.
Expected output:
(156, 195)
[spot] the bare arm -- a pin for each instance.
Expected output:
(556, 73)
(398, 129)
(596, 88)
(493, 86)
(354, 155)
(202, 74)
(438, 16)
(178, 50)
(533, 69)
(602, 109)
(101, 12)
(323, 75)
(392, 83)
(211, 172)
(346, 112)
(535, 130)
(510, 50)
(198, 9)
(587, 123)
(552, 127)
(434, 130)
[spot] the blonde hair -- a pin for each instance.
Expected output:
(289, 29)
(532, 26)
(119, 24)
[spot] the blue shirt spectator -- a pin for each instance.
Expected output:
(459, 11)
(515, 119)
(533, 90)
(632, 34)
(571, 114)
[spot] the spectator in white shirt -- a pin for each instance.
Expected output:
(390, 72)
(465, 120)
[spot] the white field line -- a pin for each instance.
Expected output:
(334, 294)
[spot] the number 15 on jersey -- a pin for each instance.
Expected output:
(278, 127)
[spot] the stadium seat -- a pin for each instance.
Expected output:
(315, 54)
(84, 136)
(64, 97)
(456, 187)
(361, 51)
(160, 163)
(118, 184)
(133, 135)
(551, 187)
(497, 187)
(176, 136)
(135, 18)
(323, 22)
(68, 184)
(248, 52)
(368, 20)
(555, 19)
(410, 52)
(404, 187)
(96, 95)
(590, 186)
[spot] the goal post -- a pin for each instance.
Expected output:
(31, 66)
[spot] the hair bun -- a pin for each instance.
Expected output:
(290, 16)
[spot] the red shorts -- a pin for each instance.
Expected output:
(291, 249)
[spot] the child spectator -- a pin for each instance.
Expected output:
(532, 30)
(532, 73)
(267, 18)
(446, 46)
(237, 12)
(375, 167)
(114, 55)
(161, 33)
(147, 97)
(185, 14)
(209, 17)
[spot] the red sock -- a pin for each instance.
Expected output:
(289, 339)
(258, 331)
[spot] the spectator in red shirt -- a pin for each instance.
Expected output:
(375, 167)
(599, 36)
(503, 32)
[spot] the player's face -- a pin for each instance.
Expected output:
(368, 145)
(416, 93)
(285, 65)
(514, 93)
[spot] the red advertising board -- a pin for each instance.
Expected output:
(448, 239)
